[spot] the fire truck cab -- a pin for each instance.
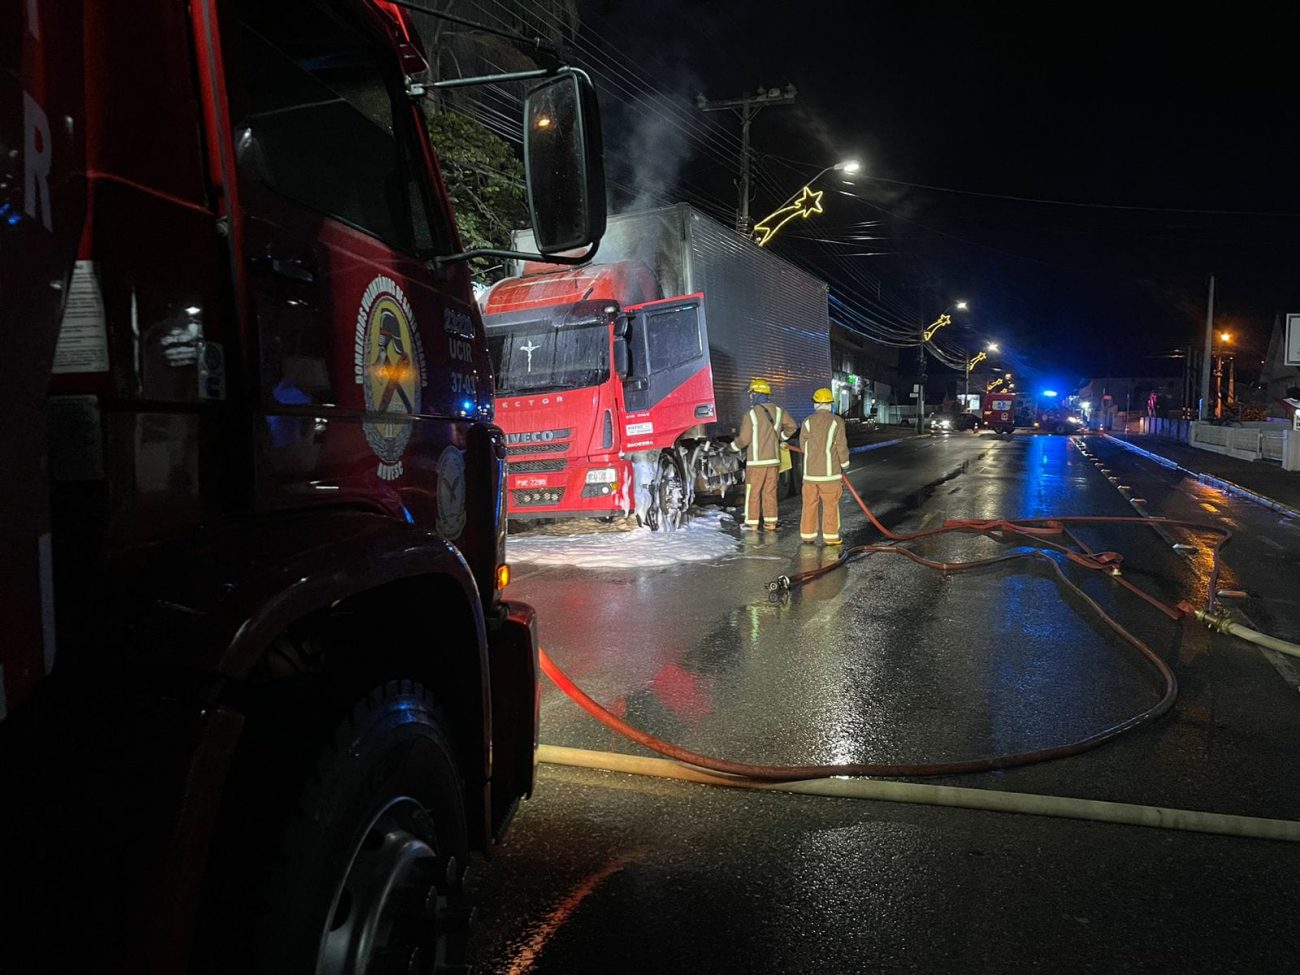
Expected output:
(261, 694)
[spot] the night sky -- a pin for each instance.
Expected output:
(1088, 104)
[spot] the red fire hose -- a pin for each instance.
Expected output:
(1040, 530)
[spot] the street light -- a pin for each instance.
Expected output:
(926, 334)
(803, 203)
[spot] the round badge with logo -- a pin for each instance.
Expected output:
(390, 369)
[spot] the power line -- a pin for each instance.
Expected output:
(1043, 201)
(640, 97)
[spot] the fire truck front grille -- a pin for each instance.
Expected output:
(532, 497)
(537, 466)
(538, 448)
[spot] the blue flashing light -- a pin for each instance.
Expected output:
(1049, 392)
(467, 406)
(13, 218)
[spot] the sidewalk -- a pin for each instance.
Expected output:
(1260, 480)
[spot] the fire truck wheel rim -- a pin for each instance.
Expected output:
(384, 906)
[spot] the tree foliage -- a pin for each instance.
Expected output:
(484, 176)
(485, 181)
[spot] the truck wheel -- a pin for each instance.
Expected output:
(373, 860)
(670, 498)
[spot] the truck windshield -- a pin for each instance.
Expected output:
(541, 358)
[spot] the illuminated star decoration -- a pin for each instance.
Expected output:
(976, 361)
(938, 323)
(808, 203)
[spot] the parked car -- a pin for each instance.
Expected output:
(953, 422)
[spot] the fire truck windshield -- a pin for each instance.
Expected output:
(538, 358)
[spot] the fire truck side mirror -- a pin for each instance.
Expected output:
(564, 163)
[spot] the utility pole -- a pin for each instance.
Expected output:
(1209, 355)
(747, 106)
(920, 386)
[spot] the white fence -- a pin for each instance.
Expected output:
(1273, 445)
(1250, 441)
(1259, 440)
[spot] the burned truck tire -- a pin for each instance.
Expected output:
(368, 864)
(668, 497)
(673, 494)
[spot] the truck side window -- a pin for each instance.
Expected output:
(317, 122)
(674, 338)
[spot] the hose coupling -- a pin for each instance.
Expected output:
(779, 584)
(1219, 622)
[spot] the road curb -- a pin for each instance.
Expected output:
(1230, 487)
(874, 446)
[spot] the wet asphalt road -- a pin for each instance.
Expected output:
(888, 661)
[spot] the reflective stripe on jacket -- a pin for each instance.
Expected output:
(825, 447)
(765, 427)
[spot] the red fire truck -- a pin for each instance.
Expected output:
(261, 694)
(1000, 411)
(616, 397)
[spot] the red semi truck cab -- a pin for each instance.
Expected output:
(577, 411)
(257, 674)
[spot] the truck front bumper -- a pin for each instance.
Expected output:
(566, 493)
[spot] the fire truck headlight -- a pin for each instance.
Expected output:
(601, 475)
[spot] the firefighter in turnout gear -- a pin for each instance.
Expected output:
(765, 429)
(825, 459)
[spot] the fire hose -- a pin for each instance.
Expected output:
(1045, 532)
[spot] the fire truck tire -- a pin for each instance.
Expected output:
(373, 857)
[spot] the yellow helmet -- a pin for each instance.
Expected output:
(823, 395)
(757, 385)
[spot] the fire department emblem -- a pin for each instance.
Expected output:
(390, 369)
